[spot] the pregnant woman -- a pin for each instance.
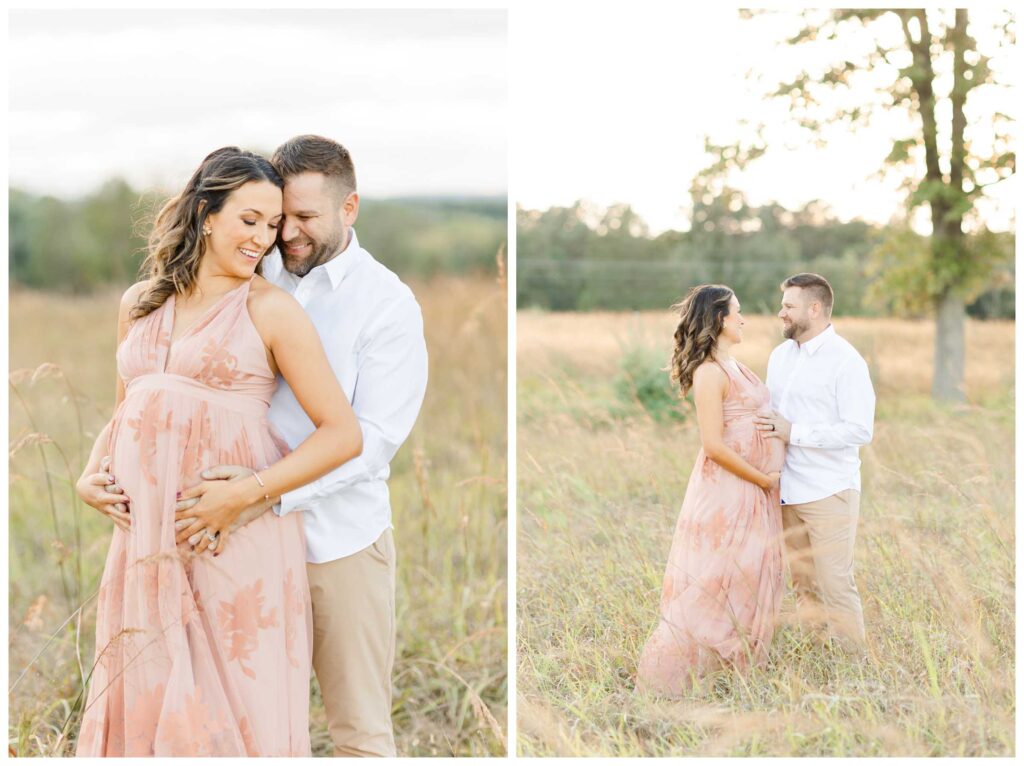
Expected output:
(207, 651)
(723, 582)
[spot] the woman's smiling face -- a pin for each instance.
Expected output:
(244, 229)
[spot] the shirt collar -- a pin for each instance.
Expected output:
(336, 269)
(818, 340)
(340, 265)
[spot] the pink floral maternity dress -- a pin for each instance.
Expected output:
(723, 583)
(197, 655)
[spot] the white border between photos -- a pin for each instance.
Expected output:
(5, 345)
(510, 458)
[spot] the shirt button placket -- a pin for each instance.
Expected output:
(792, 377)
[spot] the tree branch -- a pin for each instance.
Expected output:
(958, 96)
(921, 77)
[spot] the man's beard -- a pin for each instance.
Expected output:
(792, 329)
(321, 253)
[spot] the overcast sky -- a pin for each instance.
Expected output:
(419, 97)
(614, 103)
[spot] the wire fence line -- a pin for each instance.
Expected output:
(667, 263)
(583, 284)
(586, 284)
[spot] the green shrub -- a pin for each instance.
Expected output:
(643, 383)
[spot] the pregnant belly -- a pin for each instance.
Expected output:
(165, 439)
(763, 453)
(775, 455)
(774, 450)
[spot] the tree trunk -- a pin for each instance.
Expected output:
(944, 194)
(948, 238)
(948, 380)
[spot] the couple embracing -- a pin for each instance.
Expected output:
(777, 477)
(268, 369)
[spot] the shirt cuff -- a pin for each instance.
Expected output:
(294, 500)
(798, 434)
(802, 435)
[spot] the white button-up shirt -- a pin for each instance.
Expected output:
(824, 389)
(372, 330)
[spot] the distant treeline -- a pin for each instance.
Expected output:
(583, 258)
(99, 240)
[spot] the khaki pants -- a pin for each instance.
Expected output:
(819, 546)
(354, 646)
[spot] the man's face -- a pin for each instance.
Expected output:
(795, 313)
(316, 222)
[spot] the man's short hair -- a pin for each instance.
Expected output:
(818, 287)
(316, 154)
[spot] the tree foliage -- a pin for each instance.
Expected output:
(565, 264)
(99, 240)
(928, 66)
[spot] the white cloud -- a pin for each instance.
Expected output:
(419, 97)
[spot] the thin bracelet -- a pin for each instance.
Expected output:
(266, 495)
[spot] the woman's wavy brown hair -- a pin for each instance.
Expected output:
(176, 243)
(701, 316)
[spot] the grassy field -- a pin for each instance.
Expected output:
(449, 497)
(600, 482)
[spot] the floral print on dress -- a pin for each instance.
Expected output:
(196, 729)
(141, 719)
(717, 527)
(240, 622)
(294, 611)
(151, 422)
(220, 366)
(197, 434)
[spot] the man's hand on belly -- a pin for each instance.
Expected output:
(773, 426)
(211, 476)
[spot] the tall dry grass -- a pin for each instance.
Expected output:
(598, 496)
(448, 492)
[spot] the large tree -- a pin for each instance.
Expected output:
(928, 64)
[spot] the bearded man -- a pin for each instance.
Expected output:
(824, 409)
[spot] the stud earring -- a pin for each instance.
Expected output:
(207, 231)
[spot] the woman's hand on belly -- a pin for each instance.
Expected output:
(101, 491)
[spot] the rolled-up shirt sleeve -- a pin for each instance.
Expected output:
(855, 401)
(390, 387)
